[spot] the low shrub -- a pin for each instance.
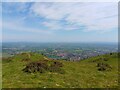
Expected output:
(103, 66)
(106, 59)
(111, 53)
(36, 67)
(55, 67)
(43, 66)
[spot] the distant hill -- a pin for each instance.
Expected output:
(32, 70)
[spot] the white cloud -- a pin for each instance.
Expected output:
(52, 25)
(24, 33)
(56, 25)
(19, 27)
(94, 16)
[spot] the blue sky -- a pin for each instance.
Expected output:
(59, 22)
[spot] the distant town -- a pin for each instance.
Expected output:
(60, 51)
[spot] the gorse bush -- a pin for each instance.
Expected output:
(55, 67)
(103, 66)
(58, 64)
(42, 66)
(36, 67)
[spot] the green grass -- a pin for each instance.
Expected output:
(83, 74)
(0, 72)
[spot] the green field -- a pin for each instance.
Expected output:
(82, 74)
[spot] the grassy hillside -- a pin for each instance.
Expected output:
(0, 72)
(95, 72)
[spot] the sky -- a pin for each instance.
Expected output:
(59, 22)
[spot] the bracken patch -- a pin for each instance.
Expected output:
(103, 66)
(55, 67)
(36, 67)
(43, 66)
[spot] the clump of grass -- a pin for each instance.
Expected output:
(106, 59)
(119, 55)
(55, 67)
(103, 66)
(6, 60)
(42, 66)
(36, 67)
(57, 64)
(101, 59)
(26, 59)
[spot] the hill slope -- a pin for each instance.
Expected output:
(95, 72)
